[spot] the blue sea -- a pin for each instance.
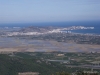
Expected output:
(95, 24)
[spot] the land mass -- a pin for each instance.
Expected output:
(48, 39)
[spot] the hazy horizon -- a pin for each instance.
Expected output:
(34, 11)
(64, 24)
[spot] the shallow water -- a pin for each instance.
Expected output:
(40, 45)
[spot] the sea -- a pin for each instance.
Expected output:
(95, 24)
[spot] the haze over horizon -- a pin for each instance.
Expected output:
(34, 11)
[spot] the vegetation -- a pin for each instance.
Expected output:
(21, 62)
(13, 63)
(61, 73)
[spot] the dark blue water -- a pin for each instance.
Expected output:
(95, 24)
(88, 31)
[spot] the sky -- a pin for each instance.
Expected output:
(31, 11)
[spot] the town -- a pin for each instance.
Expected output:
(60, 34)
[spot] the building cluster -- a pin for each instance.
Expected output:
(58, 30)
